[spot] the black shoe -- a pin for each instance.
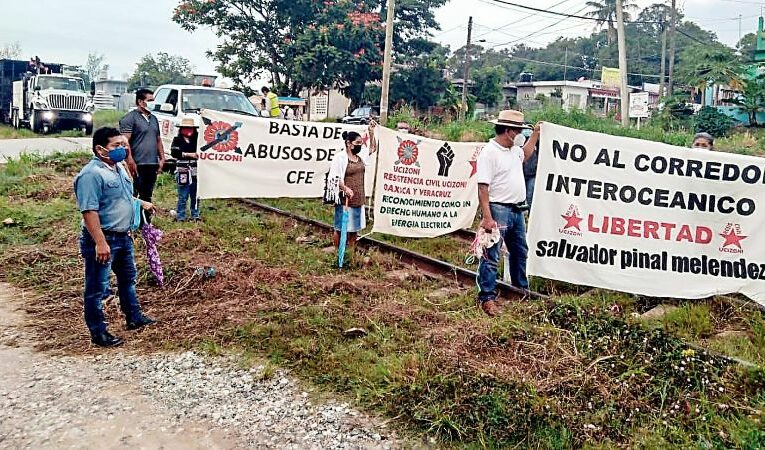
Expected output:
(106, 340)
(140, 323)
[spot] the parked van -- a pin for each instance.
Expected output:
(174, 102)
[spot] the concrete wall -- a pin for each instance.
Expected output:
(573, 96)
(330, 104)
(740, 117)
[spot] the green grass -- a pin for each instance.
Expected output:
(690, 321)
(107, 119)
(742, 141)
(7, 132)
(562, 373)
(100, 119)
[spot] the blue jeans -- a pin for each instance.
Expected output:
(122, 264)
(530, 190)
(186, 192)
(512, 229)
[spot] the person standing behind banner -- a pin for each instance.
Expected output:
(530, 169)
(184, 150)
(272, 103)
(703, 141)
(501, 192)
(345, 181)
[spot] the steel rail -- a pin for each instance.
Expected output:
(438, 268)
(427, 264)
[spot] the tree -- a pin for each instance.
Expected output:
(301, 43)
(746, 47)
(94, 66)
(706, 65)
(10, 50)
(344, 54)
(162, 69)
(752, 99)
(420, 86)
(451, 100)
(419, 76)
(488, 85)
(605, 13)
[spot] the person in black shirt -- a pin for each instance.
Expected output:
(184, 150)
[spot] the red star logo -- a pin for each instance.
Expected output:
(731, 238)
(572, 220)
(473, 168)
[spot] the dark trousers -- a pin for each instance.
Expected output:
(97, 279)
(144, 183)
(512, 229)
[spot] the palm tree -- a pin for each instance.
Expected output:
(605, 13)
(752, 99)
(709, 65)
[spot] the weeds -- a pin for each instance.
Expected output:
(690, 320)
(567, 372)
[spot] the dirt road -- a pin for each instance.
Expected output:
(12, 148)
(183, 401)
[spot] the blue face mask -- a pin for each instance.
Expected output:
(118, 154)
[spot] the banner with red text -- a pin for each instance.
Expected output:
(425, 187)
(647, 218)
(247, 157)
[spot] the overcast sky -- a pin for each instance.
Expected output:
(124, 30)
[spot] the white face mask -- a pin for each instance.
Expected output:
(519, 140)
(403, 130)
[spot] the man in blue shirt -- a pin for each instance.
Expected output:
(104, 192)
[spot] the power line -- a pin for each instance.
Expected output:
(578, 68)
(569, 16)
(522, 18)
(450, 30)
(744, 2)
(691, 37)
(535, 32)
(538, 34)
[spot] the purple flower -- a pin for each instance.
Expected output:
(152, 235)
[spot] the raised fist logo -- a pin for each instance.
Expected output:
(445, 156)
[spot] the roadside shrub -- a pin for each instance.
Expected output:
(710, 120)
(674, 114)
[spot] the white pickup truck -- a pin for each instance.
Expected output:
(174, 102)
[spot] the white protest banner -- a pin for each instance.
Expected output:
(245, 157)
(647, 218)
(425, 187)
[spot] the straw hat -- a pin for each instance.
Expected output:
(510, 118)
(188, 122)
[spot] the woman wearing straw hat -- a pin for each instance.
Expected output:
(501, 192)
(184, 150)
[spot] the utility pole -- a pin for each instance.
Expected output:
(565, 65)
(623, 63)
(663, 69)
(739, 29)
(673, 20)
(466, 73)
(387, 63)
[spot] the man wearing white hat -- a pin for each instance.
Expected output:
(501, 192)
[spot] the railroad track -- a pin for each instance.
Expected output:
(438, 268)
(427, 264)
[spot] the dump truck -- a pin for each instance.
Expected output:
(44, 102)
